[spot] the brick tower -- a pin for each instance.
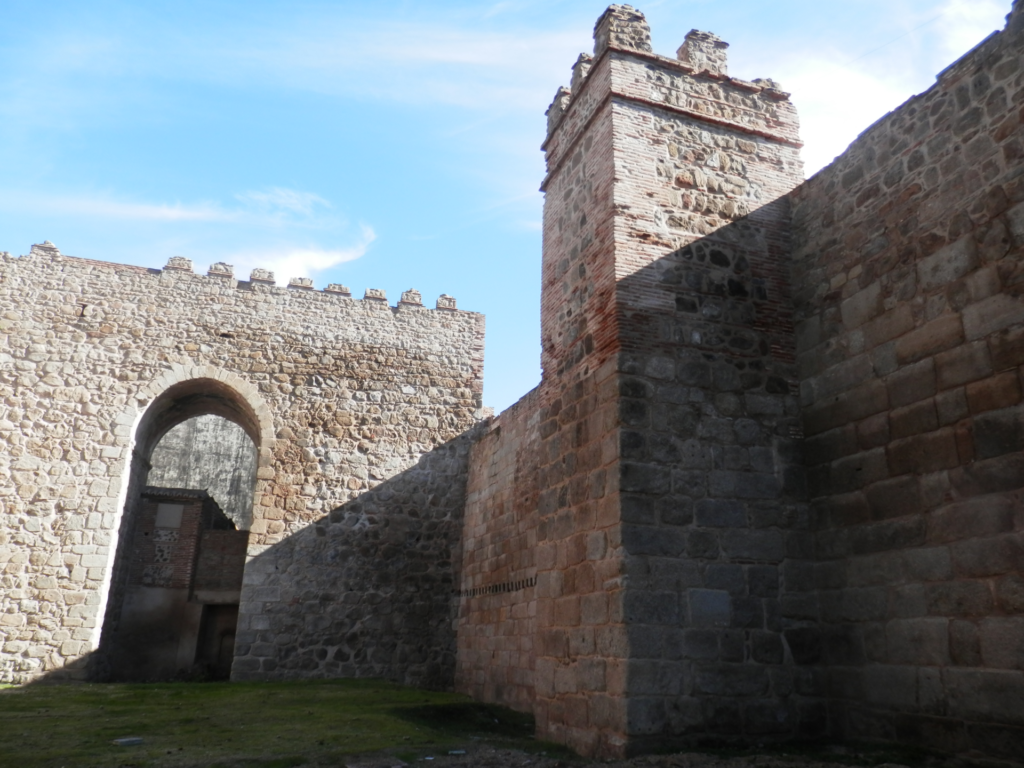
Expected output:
(671, 498)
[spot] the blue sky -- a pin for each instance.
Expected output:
(381, 145)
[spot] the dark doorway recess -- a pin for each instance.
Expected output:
(172, 608)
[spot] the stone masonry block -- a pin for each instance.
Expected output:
(709, 607)
(1007, 348)
(964, 364)
(924, 453)
(1010, 594)
(948, 264)
(913, 419)
(764, 545)
(992, 314)
(999, 391)
(951, 406)
(862, 306)
(927, 564)
(653, 540)
(895, 498)
(651, 607)
(891, 687)
(985, 695)
(912, 383)
(959, 598)
(995, 475)
(995, 556)
(732, 680)
(999, 432)
(936, 336)
(1002, 642)
(964, 643)
(645, 478)
(744, 485)
(720, 513)
(970, 519)
(918, 641)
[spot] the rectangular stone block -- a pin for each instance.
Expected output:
(999, 391)
(992, 314)
(936, 336)
(959, 598)
(918, 641)
(862, 306)
(1007, 348)
(924, 453)
(965, 363)
(913, 419)
(985, 695)
(912, 383)
(947, 264)
(1002, 642)
(731, 680)
(970, 519)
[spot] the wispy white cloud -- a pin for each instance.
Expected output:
(288, 261)
(278, 199)
(264, 228)
(838, 96)
(274, 207)
(966, 22)
(101, 206)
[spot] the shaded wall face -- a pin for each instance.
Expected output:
(908, 266)
(209, 453)
(346, 394)
(714, 524)
(367, 590)
(177, 565)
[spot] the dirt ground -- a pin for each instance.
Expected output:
(487, 756)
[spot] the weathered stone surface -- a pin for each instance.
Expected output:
(770, 482)
(343, 401)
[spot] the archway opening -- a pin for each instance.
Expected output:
(172, 608)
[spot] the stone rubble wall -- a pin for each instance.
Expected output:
(909, 271)
(345, 396)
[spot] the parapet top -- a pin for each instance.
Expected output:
(259, 276)
(705, 52)
(622, 27)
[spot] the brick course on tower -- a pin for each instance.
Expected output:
(771, 485)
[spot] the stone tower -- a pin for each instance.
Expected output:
(667, 500)
(665, 238)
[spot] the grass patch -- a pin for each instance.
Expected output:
(241, 725)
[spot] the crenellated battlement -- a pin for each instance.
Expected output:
(261, 281)
(695, 83)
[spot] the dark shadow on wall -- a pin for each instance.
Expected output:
(367, 590)
(716, 530)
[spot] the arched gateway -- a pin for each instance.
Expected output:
(341, 397)
(177, 569)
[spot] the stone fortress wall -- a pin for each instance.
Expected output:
(769, 487)
(908, 271)
(343, 398)
(689, 567)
